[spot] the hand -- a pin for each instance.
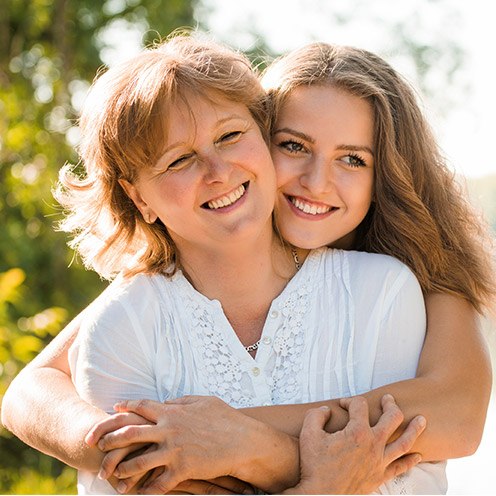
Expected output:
(196, 437)
(355, 460)
(114, 457)
(220, 485)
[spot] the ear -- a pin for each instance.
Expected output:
(148, 214)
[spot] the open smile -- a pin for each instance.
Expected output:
(309, 207)
(228, 199)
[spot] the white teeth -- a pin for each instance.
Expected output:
(227, 200)
(309, 208)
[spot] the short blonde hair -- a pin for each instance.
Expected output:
(419, 214)
(123, 126)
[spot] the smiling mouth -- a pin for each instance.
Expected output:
(227, 200)
(310, 208)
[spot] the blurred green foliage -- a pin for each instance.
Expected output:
(49, 52)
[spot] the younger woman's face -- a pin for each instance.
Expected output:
(323, 154)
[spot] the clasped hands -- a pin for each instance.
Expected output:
(200, 445)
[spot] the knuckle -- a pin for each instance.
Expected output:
(108, 464)
(397, 414)
(142, 404)
(360, 401)
(140, 462)
(130, 432)
(360, 434)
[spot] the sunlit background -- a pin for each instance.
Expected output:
(48, 54)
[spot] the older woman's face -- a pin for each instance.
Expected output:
(215, 183)
(323, 154)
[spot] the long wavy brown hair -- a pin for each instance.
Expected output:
(419, 214)
(123, 128)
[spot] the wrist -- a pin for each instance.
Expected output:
(271, 459)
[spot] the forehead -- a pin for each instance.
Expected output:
(193, 114)
(327, 109)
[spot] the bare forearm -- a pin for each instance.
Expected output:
(452, 387)
(51, 419)
(276, 465)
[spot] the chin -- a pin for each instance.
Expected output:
(306, 242)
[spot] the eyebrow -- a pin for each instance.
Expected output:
(299, 134)
(295, 133)
(219, 123)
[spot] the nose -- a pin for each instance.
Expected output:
(217, 169)
(317, 176)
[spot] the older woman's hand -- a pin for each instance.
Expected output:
(197, 438)
(355, 460)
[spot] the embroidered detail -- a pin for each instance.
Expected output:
(219, 368)
(220, 372)
(288, 347)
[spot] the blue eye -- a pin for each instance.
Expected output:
(354, 160)
(292, 146)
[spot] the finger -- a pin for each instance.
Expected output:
(104, 427)
(358, 410)
(130, 434)
(114, 457)
(390, 419)
(135, 483)
(401, 465)
(146, 408)
(141, 463)
(233, 484)
(111, 460)
(161, 485)
(132, 484)
(202, 487)
(314, 422)
(405, 442)
(183, 400)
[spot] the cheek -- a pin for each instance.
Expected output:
(285, 172)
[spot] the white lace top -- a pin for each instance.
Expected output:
(346, 323)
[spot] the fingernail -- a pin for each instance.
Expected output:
(324, 407)
(418, 458)
(388, 396)
(102, 475)
(121, 487)
(421, 421)
(101, 445)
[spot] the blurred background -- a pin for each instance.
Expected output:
(49, 53)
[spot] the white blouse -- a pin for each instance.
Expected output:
(347, 322)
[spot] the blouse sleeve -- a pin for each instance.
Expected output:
(112, 358)
(390, 326)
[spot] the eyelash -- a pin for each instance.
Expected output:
(357, 158)
(229, 136)
(287, 143)
(223, 139)
(178, 162)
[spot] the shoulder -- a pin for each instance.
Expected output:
(364, 272)
(128, 304)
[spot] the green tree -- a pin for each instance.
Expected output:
(49, 52)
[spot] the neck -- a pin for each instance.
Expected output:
(244, 277)
(236, 268)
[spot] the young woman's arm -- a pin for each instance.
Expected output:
(452, 387)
